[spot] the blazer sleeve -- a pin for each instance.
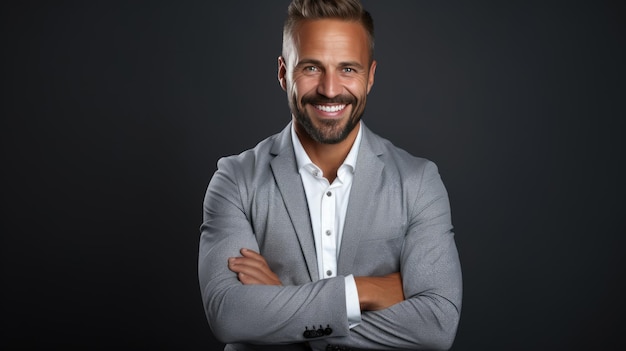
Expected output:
(256, 314)
(431, 274)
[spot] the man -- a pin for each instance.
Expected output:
(325, 236)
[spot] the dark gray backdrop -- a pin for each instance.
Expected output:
(115, 112)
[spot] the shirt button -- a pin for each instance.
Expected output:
(316, 173)
(329, 273)
(328, 232)
(329, 194)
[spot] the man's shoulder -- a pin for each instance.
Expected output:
(401, 159)
(413, 173)
(253, 157)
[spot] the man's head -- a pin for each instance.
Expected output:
(327, 66)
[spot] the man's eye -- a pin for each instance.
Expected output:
(348, 70)
(311, 69)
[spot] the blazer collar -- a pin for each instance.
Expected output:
(292, 192)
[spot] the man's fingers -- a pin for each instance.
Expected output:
(249, 272)
(252, 268)
(250, 253)
(253, 255)
(247, 279)
(247, 265)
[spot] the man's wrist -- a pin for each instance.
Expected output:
(361, 284)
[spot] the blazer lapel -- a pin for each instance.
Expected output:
(291, 189)
(367, 175)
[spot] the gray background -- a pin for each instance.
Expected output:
(115, 112)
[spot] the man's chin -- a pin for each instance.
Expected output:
(331, 131)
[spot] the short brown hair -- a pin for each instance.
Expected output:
(348, 10)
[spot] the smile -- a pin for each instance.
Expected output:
(333, 108)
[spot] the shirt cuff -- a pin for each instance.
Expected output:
(353, 308)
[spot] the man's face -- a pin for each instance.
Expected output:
(327, 75)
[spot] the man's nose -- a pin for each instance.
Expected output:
(329, 85)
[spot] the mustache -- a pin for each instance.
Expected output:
(316, 99)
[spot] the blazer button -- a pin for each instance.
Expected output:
(328, 330)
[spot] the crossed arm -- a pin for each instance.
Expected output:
(417, 309)
(375, 293)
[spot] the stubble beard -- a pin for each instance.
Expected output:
(327, 131)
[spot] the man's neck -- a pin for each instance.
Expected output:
(328, 157)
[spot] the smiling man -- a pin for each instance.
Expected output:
(327, 70)
(325, 236)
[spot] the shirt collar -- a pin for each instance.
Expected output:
(303, 160)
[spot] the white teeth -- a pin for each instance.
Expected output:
(333, 108)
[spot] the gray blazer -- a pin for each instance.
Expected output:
(398, 219)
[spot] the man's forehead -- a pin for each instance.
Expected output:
(328, 27)
(331, 37)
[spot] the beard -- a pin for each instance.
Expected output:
(328, 131)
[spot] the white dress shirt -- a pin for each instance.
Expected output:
(328, 204)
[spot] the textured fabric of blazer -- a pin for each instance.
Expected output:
(398, 220)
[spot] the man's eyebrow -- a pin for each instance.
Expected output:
(319, 63)
(309, 62)
(351, 64)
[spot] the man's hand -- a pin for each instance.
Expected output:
(377, 293)
(252, 268)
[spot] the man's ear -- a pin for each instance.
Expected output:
(370, 80)
(282, 72)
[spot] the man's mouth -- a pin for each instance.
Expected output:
(330, 108)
